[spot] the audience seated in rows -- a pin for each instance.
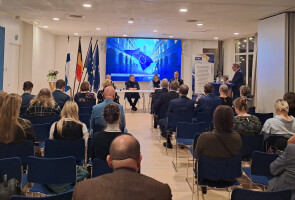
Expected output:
(225, 100)
(282, 124)
(244, 123)
(12, 127)
(290, 98)
(100, 96)
(27, 96)
(283, 171)
(155, 83)
(97, 118)
(84, 96)
(161, 104)
(245, 91)
(209, 102)
(223, 141)
(176, 78)
(43, 104)
(59, 95)
(69, 127)
(182, 106)
(124, 183)
(101, 141)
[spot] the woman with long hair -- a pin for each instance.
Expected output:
(43, 104)
(69, 127)
(12, 127)
(2, 97)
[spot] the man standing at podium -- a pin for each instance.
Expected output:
(238, 80)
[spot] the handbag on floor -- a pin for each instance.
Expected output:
(9, 187)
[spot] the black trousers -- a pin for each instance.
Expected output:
(132, 104)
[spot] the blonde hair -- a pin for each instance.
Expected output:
(107, 83)
(2, 97)
(9, 118)
(282, 105)
(165, 83)
(70, 111)
(223, 88)
(44, 98)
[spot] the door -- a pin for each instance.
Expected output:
(12, 69)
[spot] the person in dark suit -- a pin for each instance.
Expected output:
(26, 96)
(176, 78)
(124, 183)
(132, 85)
(58, 95)
(238, 80)
(183, 106)
(209, 102)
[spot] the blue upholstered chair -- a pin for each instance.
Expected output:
(62, 196)
(100, 167)
(242, 194)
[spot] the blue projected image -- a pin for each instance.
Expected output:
(143, 58)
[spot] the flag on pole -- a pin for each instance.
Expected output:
(96, 69)
(79, 67)
(67, 72)
(90, 66)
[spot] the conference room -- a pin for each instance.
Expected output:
(161, 77)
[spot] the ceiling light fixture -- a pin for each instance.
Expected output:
(155, 31)
(171, 36)
(36, 22)
(216, 38)
(124, 35)
(76, 34)
(45, 26)
(86, 5)
(98, 29)
(130, 21)
(183, 10)
(200, 24)
(55, 19)
(236, 33)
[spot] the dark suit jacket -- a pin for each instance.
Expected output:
(180, 81)
(209, 102)
(160, 106)
(238, 80)
(128, 85)
(60, 98)
(122, 184)
(182, 106)
(26, 98)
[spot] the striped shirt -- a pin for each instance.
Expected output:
(280, 126)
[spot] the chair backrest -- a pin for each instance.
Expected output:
(100, 167)
(188, 130)
(263, 117)
(85, 118)
(173, 120)
(242, 194)
(85, 110)
(85, 104)
(41, 131)
(22, 150)
(252, 110)
(62, 196)
(64, 148)
(95, 126)
(251, 144)
(219, 168)
(261, 162)
(12, 167)
(52, 170)
(44, 119)
(196, 137)
(22, 110)
(205, 116)
(272, 140)
(89, 143)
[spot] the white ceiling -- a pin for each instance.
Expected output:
(221, 18)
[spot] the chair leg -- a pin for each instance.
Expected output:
(175, 164)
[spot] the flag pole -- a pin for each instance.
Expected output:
(76, 66)
(92, 54)
(85, 61)
(71, 95)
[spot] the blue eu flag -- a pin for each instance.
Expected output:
(96, 69)
(144, 60)
(90, 66)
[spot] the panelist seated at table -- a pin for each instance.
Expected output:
(132, 85)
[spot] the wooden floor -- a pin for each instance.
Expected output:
(158, 165)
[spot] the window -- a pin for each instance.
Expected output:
(244, 51)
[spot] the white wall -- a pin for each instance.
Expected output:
(43, 57)
(229, 57)
(12, 50)
(271, 62)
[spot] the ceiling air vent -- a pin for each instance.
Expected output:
(191, 20)
(75, 16)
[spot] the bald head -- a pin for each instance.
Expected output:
(165, 83)
(124, 152)
(109, 93)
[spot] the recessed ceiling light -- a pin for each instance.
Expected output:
(200, 24)
(183, 10)
(236, 33)
(216, 38)
(76, 34)
(124, 35)
(171, 36)
(130, 21)
(155, 31)
(98, 29)
(36, 22)
(55, 19)
(86, 5)
(45, 26)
